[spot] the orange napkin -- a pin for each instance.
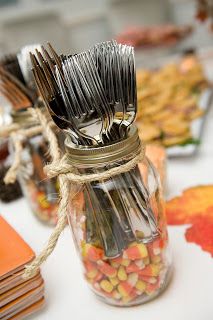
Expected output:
(18, 297)
(14, 251)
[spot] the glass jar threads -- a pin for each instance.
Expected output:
(119, 225)
(41, 192)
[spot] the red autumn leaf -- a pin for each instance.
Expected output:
(194, 206)
(201, 233)
(194, 202)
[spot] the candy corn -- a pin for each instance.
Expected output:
(106, 286)
(151, 270)
(140, 285)
(114, 281)
(132, 279)
(91, 252)
(136, 252)
(151, 288)
(157, 246)
(156, 259)
(116, 262)
(122, 273)
(146, 261)
(124, 288)
(136, 273)
(140, 263)
(151, 280)
(107, 269)
(125, 262)
(116, 295)
(132, 268)
(130, 297)
(91, 269)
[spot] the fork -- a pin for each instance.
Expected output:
(85, 95)
(25, 66)
(127, 200)
(13, 91)
(114, 84)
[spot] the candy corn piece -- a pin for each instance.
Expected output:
(91, 252)
(151, 270)
(116, 262)
(146, 261)
(151, 288)
(107, 269)
(125, 262)
(130, 297)
(91, 270)
(98, 277)
(140, 263)
(132, 279)
(138, 251)
(140, 286)
(156, 259)
(116, 295)
(44, 203)
(114, 281)
(106, 286)
(132, 268)
(122, 274)
(148, 279)
(124, 288)
(157, 246)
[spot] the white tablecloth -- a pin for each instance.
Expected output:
(189, 295)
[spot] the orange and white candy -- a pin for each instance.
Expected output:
(106, 286)
(136, 252)
(122, 275)
(91, 252)
(151, 270)
(107, 269)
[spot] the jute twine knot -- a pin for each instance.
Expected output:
(18, 136)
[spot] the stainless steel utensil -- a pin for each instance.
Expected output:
(92, 95)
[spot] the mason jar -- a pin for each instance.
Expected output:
(8, 192)
(40, 191)
(119, 225)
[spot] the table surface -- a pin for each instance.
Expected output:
(189, 295)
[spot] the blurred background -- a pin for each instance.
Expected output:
(75, 25)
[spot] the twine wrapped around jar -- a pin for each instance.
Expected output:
(38, 124)
(67, 180)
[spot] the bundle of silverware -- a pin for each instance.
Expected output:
(16, 79)
(92, 97)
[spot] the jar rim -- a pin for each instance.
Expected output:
(90, 155)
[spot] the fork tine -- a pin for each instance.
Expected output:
(57, 59)
(49, 60)
(27, 92)
(12, 89)
(47, 72)
(69, 78)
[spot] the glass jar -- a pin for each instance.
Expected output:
(119, 225)
(8, 192)
(40, 191)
